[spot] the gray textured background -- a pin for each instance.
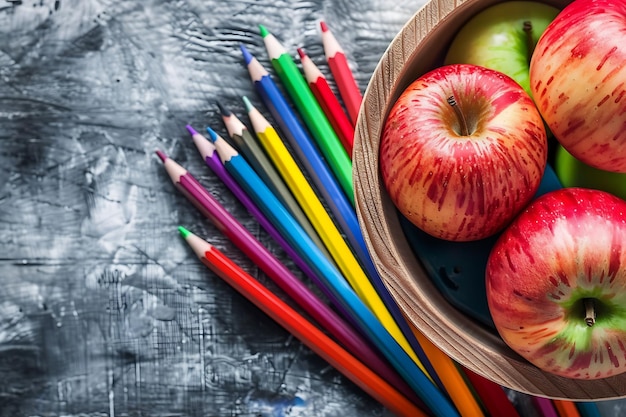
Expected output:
(104, 311)
(103, 308)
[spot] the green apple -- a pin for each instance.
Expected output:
(574, 173)
(502, 37)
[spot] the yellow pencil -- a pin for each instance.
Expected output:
(325, 227)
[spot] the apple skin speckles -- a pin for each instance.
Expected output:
(455, 186)
(566, 246)
(577, 75)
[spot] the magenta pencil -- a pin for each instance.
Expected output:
(212, 160)
(545, 407)
(280, 274)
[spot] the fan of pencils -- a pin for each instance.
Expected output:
(295, 179)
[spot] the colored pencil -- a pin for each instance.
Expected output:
(332, 238)
(328, 101)
(544, 406)
(323, 223)
(588, 409)
(299, 327)
(319, 173)
(566, 408)
(328, 319)
(311, 112)
(212, 160)
(454, 383)
(492, 395)
(434, 399)
(344, 78)
(258, 159)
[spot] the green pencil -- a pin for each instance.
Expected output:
(311, 112)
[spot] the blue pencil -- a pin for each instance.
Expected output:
(249, 180)
(588, 409)
(324, 180)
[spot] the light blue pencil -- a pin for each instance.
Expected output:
(330, 191)
(249, 180)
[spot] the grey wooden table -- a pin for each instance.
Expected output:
(104, 310)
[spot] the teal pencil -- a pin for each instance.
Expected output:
(311, 112)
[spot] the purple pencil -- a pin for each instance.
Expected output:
(211, 158)
(281, 275)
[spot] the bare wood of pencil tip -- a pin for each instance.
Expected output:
(259, 161)
(301, 328)
(339, 67)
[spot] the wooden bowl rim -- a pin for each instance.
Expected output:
(467, 342)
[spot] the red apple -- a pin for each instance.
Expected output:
(578, 80)
(556, 283)
(463, 150)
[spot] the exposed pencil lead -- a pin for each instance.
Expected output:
(301, 53)
(323, 26)
(247, 56)
(223, 110)
(263, 30)
(212, 135)
(247, 103)
(183, 232)
(161, 155)
(191, 130)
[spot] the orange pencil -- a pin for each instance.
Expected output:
(566, 408)
(328, 101)
(454, 383)
(300, 327)
(338, 64)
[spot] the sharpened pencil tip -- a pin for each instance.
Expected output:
(247, 103)
(247, 56)
(212, 134)
(323, 26)
(223, 110)
(161, 155)
(301, 53)
(264, 31)
(183, 232)
(191, 130)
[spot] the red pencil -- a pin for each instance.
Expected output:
(300, 328)
(328, 101)
(492, 395)
(338, 64)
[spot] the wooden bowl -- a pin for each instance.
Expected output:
(419, 47)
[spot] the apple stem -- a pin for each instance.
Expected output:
(459, 114)
(590, 312)
(530, 45)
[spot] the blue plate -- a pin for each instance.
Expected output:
(458, 268)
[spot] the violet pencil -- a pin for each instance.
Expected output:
(279, 273)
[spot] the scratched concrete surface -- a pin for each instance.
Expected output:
(104, 311)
